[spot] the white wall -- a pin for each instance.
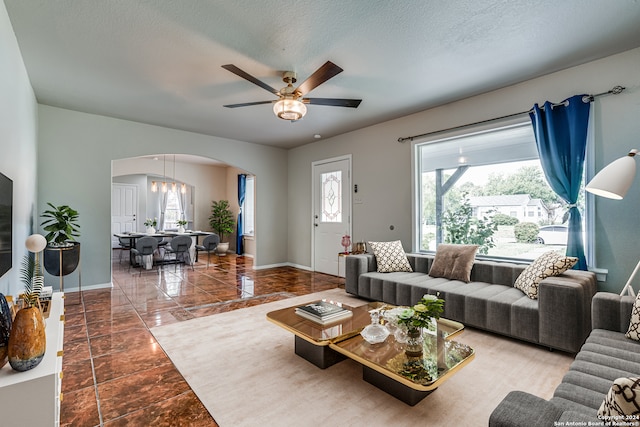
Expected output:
(18, 133)
(74, 165)
(382, 166)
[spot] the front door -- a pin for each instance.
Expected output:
(124, 206)
(331, 212)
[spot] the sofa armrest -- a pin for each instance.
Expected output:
(523, 409)
(564, 304)
(355, 266)
(611, 311)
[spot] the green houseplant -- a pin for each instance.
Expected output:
(222, 222)
(61, 225)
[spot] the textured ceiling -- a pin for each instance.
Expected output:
(159, 61)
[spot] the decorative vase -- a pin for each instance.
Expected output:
(222, 248)
(415, 343)
(151, 230)
(28, 341)
(180, 229)
(360, 248)
(375, 333)
(5, 329)
(346, 242)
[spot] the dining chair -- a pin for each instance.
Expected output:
(145, 246)
(179, 247)
(209, 244)
(125, 245)
(162, 243)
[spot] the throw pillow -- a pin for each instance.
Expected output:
(390, 256)
(454, 262)
(546, 265)
(634, 325)
(623, 400)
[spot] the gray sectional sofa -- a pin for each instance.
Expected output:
(606, 356)
(560, 318)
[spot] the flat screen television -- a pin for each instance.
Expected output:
(6, 223)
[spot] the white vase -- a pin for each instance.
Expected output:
(222, 248)
(180, 229)
(151, 230)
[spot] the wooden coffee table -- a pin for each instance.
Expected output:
(384, 365)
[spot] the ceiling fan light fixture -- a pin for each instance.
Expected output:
(289, 109)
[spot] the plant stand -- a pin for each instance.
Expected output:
(62, 270)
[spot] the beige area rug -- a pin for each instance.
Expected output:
(244, 370)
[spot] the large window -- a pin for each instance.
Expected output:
(173, 211)
(248, 209)
(488, 188)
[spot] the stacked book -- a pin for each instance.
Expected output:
(323, 312)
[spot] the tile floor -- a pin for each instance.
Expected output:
(115, 373)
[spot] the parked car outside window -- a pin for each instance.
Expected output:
(553, 235)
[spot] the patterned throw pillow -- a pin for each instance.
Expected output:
(454, 262)
(634, 325)
(546, 265)
(623, 399)
(390, 256)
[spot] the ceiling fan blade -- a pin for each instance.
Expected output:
(334, 102)
(248, 104)
(321, 75)
(238, 72)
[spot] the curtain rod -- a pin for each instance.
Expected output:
(587, 98)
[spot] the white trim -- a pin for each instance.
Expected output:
(416, 199)
(88, 288)
(282, 264)
(590, 198)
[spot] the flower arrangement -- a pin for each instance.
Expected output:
(151, 222)
(182, 222)
(419, 316)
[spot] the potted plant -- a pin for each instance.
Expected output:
(181, 224)
(222, 222)
(151, 225)
(61, 225)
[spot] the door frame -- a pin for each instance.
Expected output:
(314, 195)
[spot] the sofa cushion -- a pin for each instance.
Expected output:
(623, 399)
(454, 262)
(390, 256)
(546, 265)
(634, 325)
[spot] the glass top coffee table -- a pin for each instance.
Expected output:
(385, 365)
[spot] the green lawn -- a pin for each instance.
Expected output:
(506, 245)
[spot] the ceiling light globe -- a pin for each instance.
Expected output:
(289, 109)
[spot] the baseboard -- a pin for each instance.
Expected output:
(264, 267)
(89, 287)
(282, 264)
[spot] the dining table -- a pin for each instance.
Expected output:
(148, 263)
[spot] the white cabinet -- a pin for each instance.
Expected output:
(32, 398)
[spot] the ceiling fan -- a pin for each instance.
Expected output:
(290, 104)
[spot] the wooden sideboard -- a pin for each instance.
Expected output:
(32, 398)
